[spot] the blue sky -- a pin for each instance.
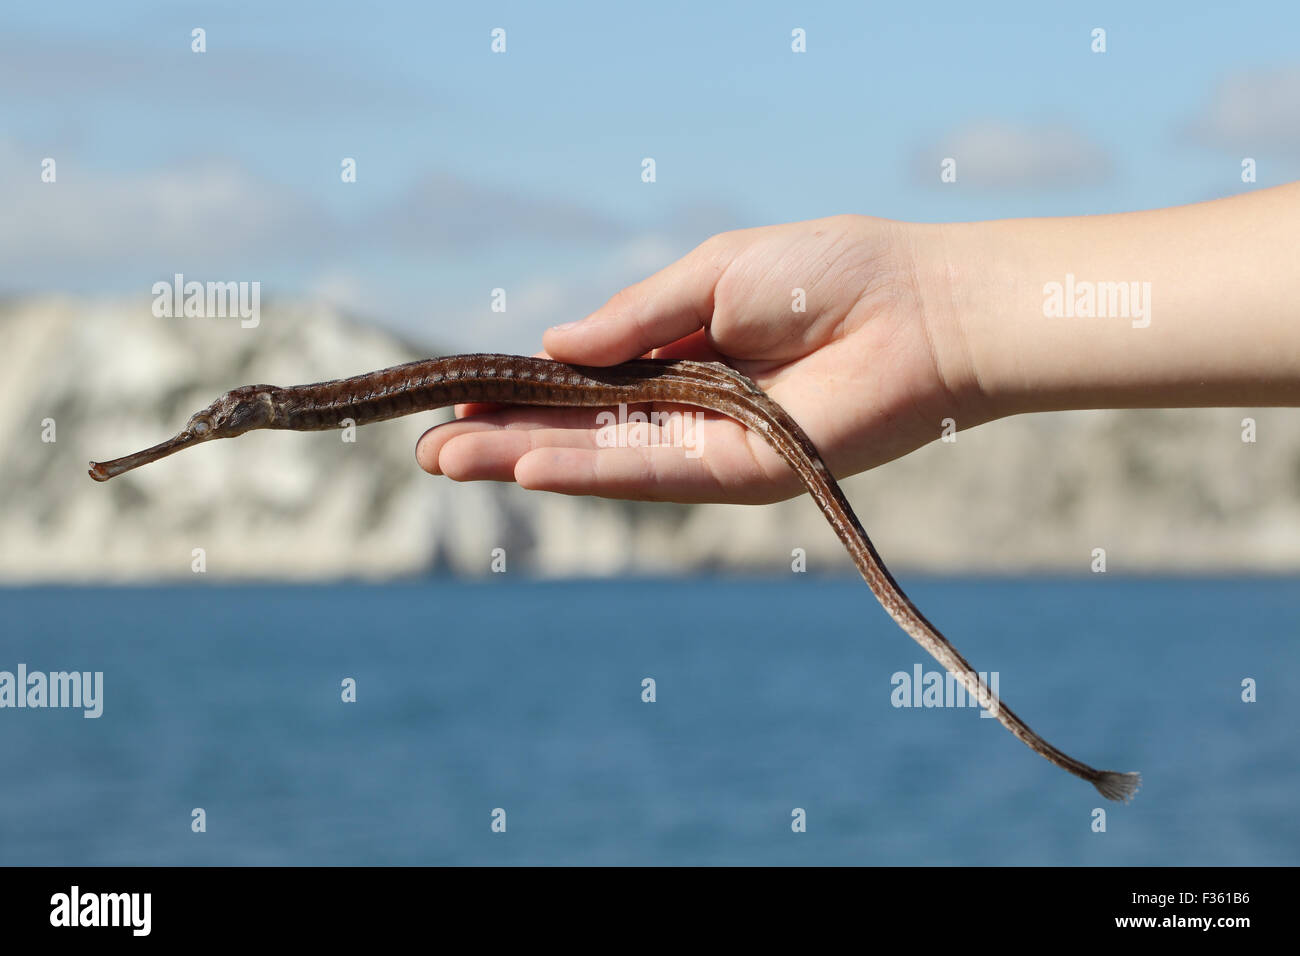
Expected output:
(522, 170)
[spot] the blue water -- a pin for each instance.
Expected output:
(771, 695)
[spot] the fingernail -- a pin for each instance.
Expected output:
(566, 326)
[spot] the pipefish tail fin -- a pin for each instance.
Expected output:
(1118, 786)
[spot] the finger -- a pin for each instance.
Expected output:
(520, 428)
(428, 449)
(669, 305)
(428, 446)
(694, 346)
(630, 473)
(642, 474)
(685, 459)
(493, 454)
(469, 409)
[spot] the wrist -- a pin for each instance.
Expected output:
(961, 284)
(1010, 290)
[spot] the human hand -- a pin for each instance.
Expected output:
(867, 369)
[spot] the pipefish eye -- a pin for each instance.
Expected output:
(200, 427)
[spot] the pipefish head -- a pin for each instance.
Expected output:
(239, 410)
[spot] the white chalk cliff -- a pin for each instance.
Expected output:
(1158, 490)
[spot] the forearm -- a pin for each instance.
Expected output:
(1187, 306)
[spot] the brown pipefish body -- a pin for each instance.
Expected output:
(511, 379)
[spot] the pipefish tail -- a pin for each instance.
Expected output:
(517, 380)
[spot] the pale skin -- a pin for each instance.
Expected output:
(907, 325)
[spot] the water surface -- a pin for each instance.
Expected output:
(771, 695)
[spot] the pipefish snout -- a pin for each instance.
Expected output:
(239, 410)
(517, 380)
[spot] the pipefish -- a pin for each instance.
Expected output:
(518, 380)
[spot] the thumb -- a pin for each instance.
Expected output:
(669, 305)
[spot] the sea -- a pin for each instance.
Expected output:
(666, 722)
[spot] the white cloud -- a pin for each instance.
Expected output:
(90, 220)
(1251, 111)
(411, 264)
(1009, 156)
(218, 212)
(444, 211)
(60, 71)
